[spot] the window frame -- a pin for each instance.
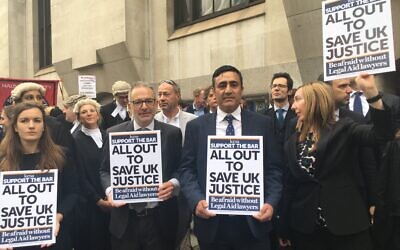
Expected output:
(179, 24)
(44, 34)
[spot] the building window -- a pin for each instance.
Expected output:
(44, 33)
(191, 11)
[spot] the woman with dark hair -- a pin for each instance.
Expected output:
(93, 224)
(28, 146)
(322, 206)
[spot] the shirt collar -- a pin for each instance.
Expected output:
(150, 126)
(336, 114)
(176, 117)
(286, 107)
(120, 106)
(236, 114)
(354, 92)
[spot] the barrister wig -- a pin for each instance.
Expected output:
(87, 101)
(21, 88)
(120, 87)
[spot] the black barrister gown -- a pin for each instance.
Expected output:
(93, 233)
(67, 197)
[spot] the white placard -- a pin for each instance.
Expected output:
(28, 207)
(235, 174)
(357, 37)
(87, 86)
(135, 165)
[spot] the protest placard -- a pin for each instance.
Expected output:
(28, 207)
(235, 175)
(357, 37)
(87, 85)
(135, 165)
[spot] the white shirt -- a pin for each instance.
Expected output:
(75, 125)
(95, 134)
(364, 103)
(119, 110)
(222, 124)
(174, 121)
(285, 110)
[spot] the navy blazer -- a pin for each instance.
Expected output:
(166, 213)
(194, 169)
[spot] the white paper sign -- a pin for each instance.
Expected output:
(28, 207)
(235, 174)
(357, 37)
(135, 165)
(87, 86)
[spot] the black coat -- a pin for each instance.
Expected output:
(108, 120)
(333, 186)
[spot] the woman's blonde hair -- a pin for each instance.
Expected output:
(12, 152)
(319, 108)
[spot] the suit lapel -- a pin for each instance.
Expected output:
(246, 123)
(211, 121)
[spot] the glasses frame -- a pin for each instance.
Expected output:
(139, 103)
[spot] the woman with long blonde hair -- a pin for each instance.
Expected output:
(322, 205)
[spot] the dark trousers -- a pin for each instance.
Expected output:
(92, 228)
(386, 233)
(234, 234)
(142, 233)
(322, 239)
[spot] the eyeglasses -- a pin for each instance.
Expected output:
(139, 103)
(281, 86)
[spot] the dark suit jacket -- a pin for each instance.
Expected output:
(166, 212)
(108, 120)
(194, 169)
(279, 131)
(393, 103)
(366, 173)
(333, 187)
(190, 109)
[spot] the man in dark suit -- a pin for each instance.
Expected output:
(198, 107)
(359, 103)
(366, 173)
(223, 231)
(155, 227)
(281, 84)
(281, 114)
(116, 112)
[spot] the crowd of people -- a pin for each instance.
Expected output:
(330, 164)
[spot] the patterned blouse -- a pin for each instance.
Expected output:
(306, 160)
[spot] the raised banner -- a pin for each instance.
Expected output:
(28, 208)
(357, 37)
(235, 174)
(135, 165)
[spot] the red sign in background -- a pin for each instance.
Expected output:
(8, 84)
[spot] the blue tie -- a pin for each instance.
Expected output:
(281, 119)
(230, 130)
(357, 106)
